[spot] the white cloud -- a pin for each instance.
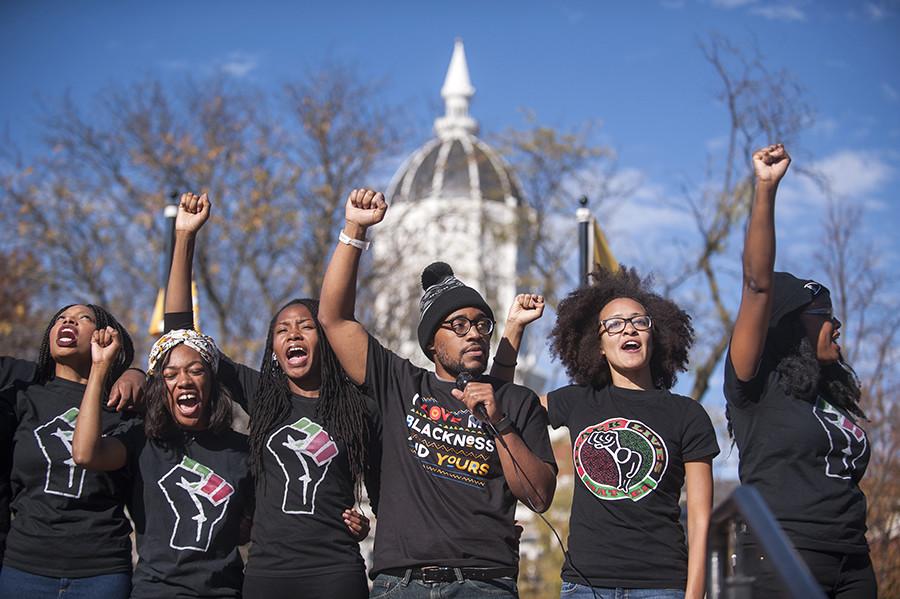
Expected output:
(715, 144)
(854, 173)
(875, 11)
(889, 91)
(854, 176)
(176, 64)
(779, 13)
(728, 4)
(239, 64)
(825, 126)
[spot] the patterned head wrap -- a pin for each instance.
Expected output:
(204, 345)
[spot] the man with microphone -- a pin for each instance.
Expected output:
(459, 448)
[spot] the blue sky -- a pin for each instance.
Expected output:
(633, 66)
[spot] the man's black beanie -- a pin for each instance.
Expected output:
(444, 294)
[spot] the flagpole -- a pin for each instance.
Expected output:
(170, 212)
(583, 214)
(156, 318)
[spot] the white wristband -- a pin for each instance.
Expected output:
(357, 243)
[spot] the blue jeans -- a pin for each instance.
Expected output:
(16, 584)
(570, 590)
(395, 587)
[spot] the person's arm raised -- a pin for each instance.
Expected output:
(193, 212)
(752, 322)
(89, 448)
(337, 304)
(525, 309)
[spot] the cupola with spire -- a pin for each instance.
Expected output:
(456, 163)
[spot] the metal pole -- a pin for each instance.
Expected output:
(170, 212)
(583, 214)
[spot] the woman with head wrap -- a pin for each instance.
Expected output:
(191, 496)
(793, 408)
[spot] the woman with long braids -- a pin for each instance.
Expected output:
(793, 408)
(191, 496)
(69, 531)
(634, 443)
(309, 437)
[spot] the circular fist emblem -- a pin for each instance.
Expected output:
(620, 459)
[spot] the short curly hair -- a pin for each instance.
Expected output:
(574, 339)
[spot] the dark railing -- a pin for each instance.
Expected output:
(727, 572)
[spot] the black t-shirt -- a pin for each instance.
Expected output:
(187, 503)
(805, 458)
(67, 521)
(446, 501)
(12, 371)
(298, 527)
(629, 448)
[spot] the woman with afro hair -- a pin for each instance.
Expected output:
(634, 442)
(793, 408)
(310, 433)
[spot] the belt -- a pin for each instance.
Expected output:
(450, 574)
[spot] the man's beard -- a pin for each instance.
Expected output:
(454, 365)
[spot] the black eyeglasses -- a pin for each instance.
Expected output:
(614, 326)
(462, 325)
(828, 312)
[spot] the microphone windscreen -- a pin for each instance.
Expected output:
(463, 379)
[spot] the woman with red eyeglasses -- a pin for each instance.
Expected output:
(793, 409)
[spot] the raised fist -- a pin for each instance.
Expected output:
(193, 211)
(526, 308)
(365, 207)
(771, 163)
(105, 346)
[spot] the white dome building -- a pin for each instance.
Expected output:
(454, 200)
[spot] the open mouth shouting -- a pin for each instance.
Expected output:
(188, 404)
(297, 356)
(67, 336)
(631, 346)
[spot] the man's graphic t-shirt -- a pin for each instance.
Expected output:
(628, 450)
(53, 498)
(187, 504)
(806, 459)
(446, 501)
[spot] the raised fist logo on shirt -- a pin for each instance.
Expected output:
(54, 438)
(628, 462)
(847, 441)
(620, 459)
(199, 499)
(303, 450)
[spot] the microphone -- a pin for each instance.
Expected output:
(464, 378)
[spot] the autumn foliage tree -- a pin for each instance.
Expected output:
(276, 168)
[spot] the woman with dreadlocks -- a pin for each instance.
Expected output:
(793, 408)
(191, 496)
(69, 532)
(634, 442)
(309, 438)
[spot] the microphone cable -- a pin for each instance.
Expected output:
(463, 379)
